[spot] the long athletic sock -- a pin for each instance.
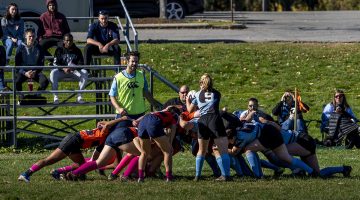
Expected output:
(234, 163)
(199, 164)
(68, 168)
(267, 164)
(141, 173)
(244, 166)
(211, 160)
(169, 175)
(34, 168)
(226, 163)
(297, 163)
(221, 166)
(132, 166)
(254, 163)
(85, 168)
(328, 171)
(125, 161)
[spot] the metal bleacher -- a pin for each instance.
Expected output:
(13, 122)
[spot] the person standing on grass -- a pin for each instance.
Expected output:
(210, 126)
(151, 127)
(30, 54)
(68, 55)
(129, 88)
(13, 27)
(103, 39)
(71, 147)
(53, 27)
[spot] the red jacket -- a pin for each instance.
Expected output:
(53, 24)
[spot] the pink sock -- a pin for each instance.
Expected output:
(169, 175)
(126, 159)
(35, 168)
(132, 166)
(68, 168)
(141, 173)
(85, 168)
(88, 159)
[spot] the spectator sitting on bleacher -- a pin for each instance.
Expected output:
(68, 55)
(2, 63)
(129, 88)
(54, 27)
(103, 39)
(13, 27)
(30, 54)
(179, 102)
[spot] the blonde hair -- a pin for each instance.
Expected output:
(206, 82)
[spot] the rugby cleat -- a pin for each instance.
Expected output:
(24, 177)
(279, 172)
(223, 179)
(124, 178)
(140, 180)
(55, 174)
(347, 171)
(197, 178)
(112, 177)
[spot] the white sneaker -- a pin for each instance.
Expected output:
(56, 100)
(79, 100)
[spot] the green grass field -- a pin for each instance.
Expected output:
(240, 71)
(42, 186)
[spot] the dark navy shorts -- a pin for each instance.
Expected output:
(71, 144)
(270, 137)
(118, 137)
(150, 127)
(307, 142)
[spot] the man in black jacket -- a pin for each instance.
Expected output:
(30, 54)
(180, 101)
(68, 56)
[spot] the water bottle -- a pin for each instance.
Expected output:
(30, 84)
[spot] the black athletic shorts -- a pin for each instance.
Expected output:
(71, 144)
(270, 137)
(307, 142)
(211, 126)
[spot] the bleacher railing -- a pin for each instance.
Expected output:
(124, 30)
(14, 115)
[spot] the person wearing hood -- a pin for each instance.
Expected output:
(54, 27)
(66, 57)
(30, 54)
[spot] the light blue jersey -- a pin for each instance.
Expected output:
(208, 102)
(289, 136)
